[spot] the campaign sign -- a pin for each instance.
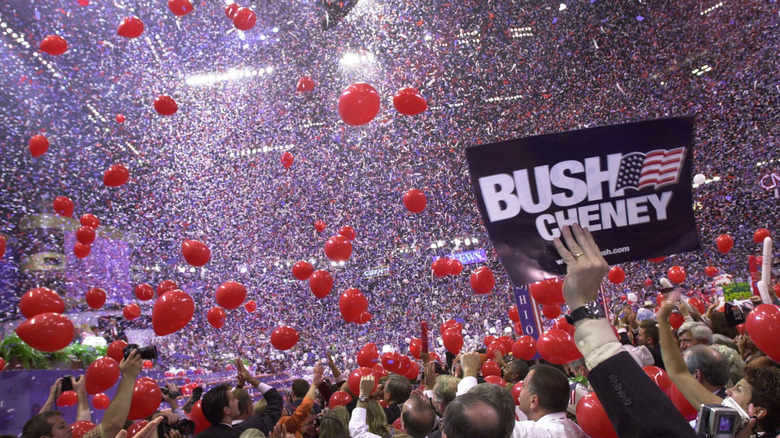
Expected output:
(629, 184)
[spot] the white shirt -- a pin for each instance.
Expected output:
(357, 425)
(551, 425)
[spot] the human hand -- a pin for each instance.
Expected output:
(585, 266)
(747, 429)
(668, 305)
(469, 363)
(130, 367)
(430, 375)
(148, 431)
(78, 385)
(172, 389)
(168, 416)
(173, 433)
(366, 386)
(425, 357)
(316, 378)
(280, 431)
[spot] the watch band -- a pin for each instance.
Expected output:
(590, 310)
(363, 399)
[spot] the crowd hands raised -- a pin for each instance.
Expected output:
(623, 392)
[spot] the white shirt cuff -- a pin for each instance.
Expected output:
(596, 341)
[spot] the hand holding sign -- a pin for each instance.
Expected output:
(585, 266)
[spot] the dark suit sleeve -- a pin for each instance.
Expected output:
(634, 404)
(268, 419)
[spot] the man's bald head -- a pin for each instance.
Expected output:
(471, 415)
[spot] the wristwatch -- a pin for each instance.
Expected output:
(590, 310)
(363, 399)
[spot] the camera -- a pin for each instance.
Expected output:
(149, 352)
(67, 385)
(174, 394)
(717, 421)
(184, 426)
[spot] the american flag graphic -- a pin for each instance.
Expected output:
(654, 169)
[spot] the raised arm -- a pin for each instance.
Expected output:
(116, 413)
(82, 412)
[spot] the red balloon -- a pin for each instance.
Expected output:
(441, 267)
(648, 282)
(165, 286)
(146, 398)
(682, 404)
(415, 200)
(548, 291)
(120, 118)
(195, 252)
(657, 259)
(321, 283)
(67, 399)
(491, 368)
(659, 299)
(556, 346)
(319, 225)
(338, 248)
(496, 346)
(355, 376)
(359, 104)
(562, 324)
(251, 306)
(79, 428)
(724, 243)
(2, 246)
(172, 311)
(165, 105)
(81, 250)
(63, 206)
(404, 364)
(433, 357)
(284, 338)
(698, 304)
(131, 311)
(617, 275)
(659, 376)
(244, 19)
(551, 311)
(116, 176)
(676, 320)
(516, 392)
(489, 340)
(348, 232)
(115, 350)
(763, 326)
(302, 270)
(135, 428)
(85, 235)
(415, 347)
(38, 145)
(305, 84)
(592, 417)
(101, 375)
(100, 401)
(96, 297)
(495, 380)
(54, 45)
(391, 361)
(368, 356)
(507, 343)
(339, 398)
(287, 160)
(231, 294)
(197, 417)
(40, 300)
(453, 340)
(364, 317)
(231, 9)
(677, 274)
(130, 27)
(455, 267)
(144, 292)
(47, 332)
(760, 235)
(89, 220)
(352, 303)
(413, 372)
(513, 314)
(482, 280)
(180, 7)
(409, 102)
(712, 271)
(216, 317)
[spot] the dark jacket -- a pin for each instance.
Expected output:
(265, 421)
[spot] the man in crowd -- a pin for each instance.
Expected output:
(708, 367)
(694, 333)
(648, 336)
(543, 399)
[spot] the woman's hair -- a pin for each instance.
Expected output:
(765, 382)
(376, 419)
(719, 326)
(252, 433)
(260, 406)
(334, 423)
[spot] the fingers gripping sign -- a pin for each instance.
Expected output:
(585, 266)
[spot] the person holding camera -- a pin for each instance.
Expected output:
(69, 383)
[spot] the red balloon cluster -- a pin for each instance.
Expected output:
(47, 332)
(616, 275)
(302, 270)
(556, 346)
(171, 312)
(130, 27)
(415, 200)
(287, 160)
(444, 266)
(216, 317)
(452, 336)
(320, 283)
(95, 298)
(38, 145)
(338, 248)
(195, 252)
(63, 206)
(548, 291)
(284, 338)
(231, 294)
(724, 243)
(180, 7)
(482, 280)
(165, 105)
(352, 303)
(101, 375)
(116, 175)
(358, 104)
(54, 45)
(305, 84)
(408, 101)
(40, 300)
